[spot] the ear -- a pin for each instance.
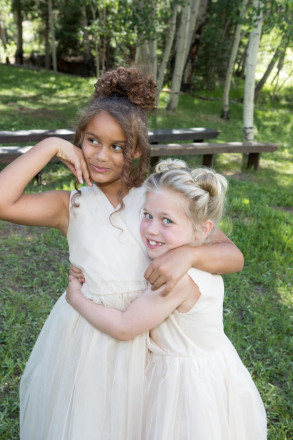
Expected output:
(206, 227)
(136, 154)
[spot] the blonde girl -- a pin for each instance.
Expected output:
(196, 386)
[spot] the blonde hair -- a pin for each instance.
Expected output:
(202, 187)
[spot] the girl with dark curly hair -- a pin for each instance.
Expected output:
(80, 383)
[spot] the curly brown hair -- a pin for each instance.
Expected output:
(126, 94)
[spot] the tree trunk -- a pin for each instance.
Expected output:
(142, 56)
(194, 9)
(96, 38)
(2, 35)
(52, 35)
(17, 11)
(181, 49)
(47, 41)
(225, 114)
(240, 71)
(193, 51)
(167, 50)
(146, 52)
(253, 46)
(86, 42)
(103, 19)
(280, 49)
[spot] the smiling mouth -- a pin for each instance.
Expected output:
(99, 169)
(153, 243)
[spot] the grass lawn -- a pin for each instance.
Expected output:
(259, 219)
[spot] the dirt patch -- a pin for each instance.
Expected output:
(238, 176)
(19, 230)
(283, 208)
(40, 113)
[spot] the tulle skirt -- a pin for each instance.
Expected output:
(212, 398)
(81, 384)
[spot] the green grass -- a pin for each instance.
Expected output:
(259, 219)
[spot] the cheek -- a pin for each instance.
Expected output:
(142, 228)
(85, 149)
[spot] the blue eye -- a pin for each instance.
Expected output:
(148, 216)
(167, 221)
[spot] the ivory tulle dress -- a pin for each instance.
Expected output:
(197, 388)
(79, 383)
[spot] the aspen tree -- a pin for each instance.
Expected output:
(225, 114)
(251, 60)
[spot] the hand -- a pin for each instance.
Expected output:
(169, 268)
(73, 158)
(73, 291)
(77, 273)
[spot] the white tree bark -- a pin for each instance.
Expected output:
(192, 52)
(251, 60)
(194, 10)
(181, 48)
(167, 50)
(225, 102)
(52, 35)
(146, 50)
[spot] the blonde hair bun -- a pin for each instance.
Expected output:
(170, 164)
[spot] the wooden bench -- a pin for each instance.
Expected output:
(253, 151)
(159, 144)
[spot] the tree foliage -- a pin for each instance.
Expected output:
(92, 36)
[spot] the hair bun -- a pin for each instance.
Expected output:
(170, 164)
(210, 181)
(131, 83)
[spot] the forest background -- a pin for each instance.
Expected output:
(226, 65)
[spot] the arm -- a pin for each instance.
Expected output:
(144, 313)
(219, 256)
(49, 208)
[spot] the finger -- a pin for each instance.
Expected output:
(158, 283)
(148, 272)
(75, 270)
(78, 169)
(153, 277)
(85, 173)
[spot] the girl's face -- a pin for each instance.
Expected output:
(165, 225)
(103, 144)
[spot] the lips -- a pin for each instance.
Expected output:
(153, 244)
(98, 169)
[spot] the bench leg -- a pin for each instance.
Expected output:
(208, 160)
(253, 160)
(38, 178)
(153, 162)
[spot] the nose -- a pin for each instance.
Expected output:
(102, 153)
(152, 228)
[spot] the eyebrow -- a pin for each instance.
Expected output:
(97, 137)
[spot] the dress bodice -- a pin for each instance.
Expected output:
(201, 329)
(106, 245)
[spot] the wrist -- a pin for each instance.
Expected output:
(192, 255)
(50, 146)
